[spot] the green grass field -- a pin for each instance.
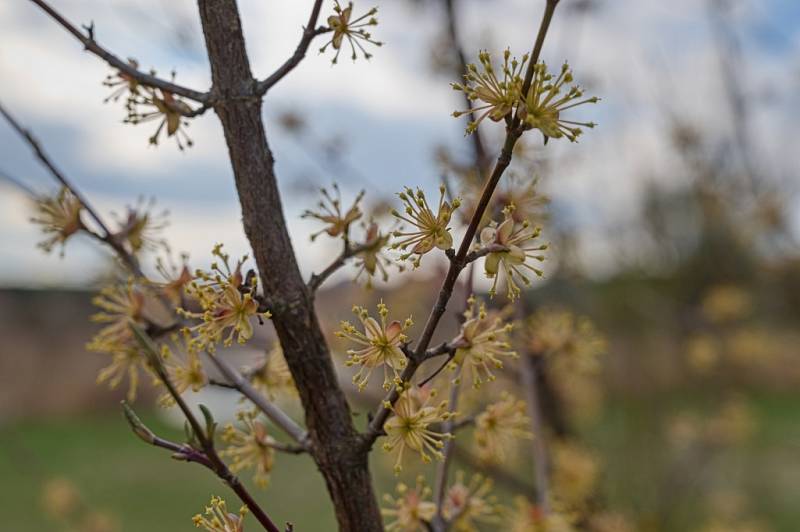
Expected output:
(148, 491)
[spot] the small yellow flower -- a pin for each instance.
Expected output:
(432, 231)
(499, 427)
(140, 229)
(370, 261)
(227, 304)
(120, 306)
(161, 105)
(218, 519)
(575, 474)
(330, 212)
(250, 448)
(411, 509)
(470, 505)
(354, 30)
(526, 517)
(408, 427)
(517, 240)
(481, 343)
(571, 338)
(545, 102)
(183, 367)
(60, 498)
(382, 346)
(122, 83)
(175, 279)
(59, 216)
(273, 378)
(496, 99)
(126, 361)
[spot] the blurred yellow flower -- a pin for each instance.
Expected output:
(249, 447)
(410, 509)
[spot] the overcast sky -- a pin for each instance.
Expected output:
(391, 112)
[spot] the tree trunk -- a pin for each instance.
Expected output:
(335, 444)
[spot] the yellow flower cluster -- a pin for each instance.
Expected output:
(409, 426)
(330, 213)
(227, 303)
(497, 98)
(381, 345)
(515, 243)
(469, 504)
(344, 26)
(431, 229)
(59, 217)
(499, 427)
(249, 447)
(481, 343)
(411, 509)
(217, 518)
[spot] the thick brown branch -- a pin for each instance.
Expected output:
(309, 32)
(91, 45)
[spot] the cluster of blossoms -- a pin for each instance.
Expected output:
(227, 304)
(499, 427)
(139, 230)
(382, 345)
(217, 518)
(330, 212)
(431, 229)
(183, 366)
(575, 473)
(515, 249)
(409, 426)
(59, 217)
(249, 447)
(121, 306)
(146, 104)
(481, 343)
(370, 260)
(545, 102)
(540, 108)
(411, 509)
(469, 504)
(344, 26)
(497, 98)
(273, 378)
(574, 339)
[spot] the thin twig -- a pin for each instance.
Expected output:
(205, 440)
(107, 236)
(91, 45)
(309, 32)
(348, 252)
(275, 414)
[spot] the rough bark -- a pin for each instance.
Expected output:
(335, 444)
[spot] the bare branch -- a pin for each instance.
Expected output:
(348, 252)
(309, 32)
(91, 45)
(107, 236)
(275, 414)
